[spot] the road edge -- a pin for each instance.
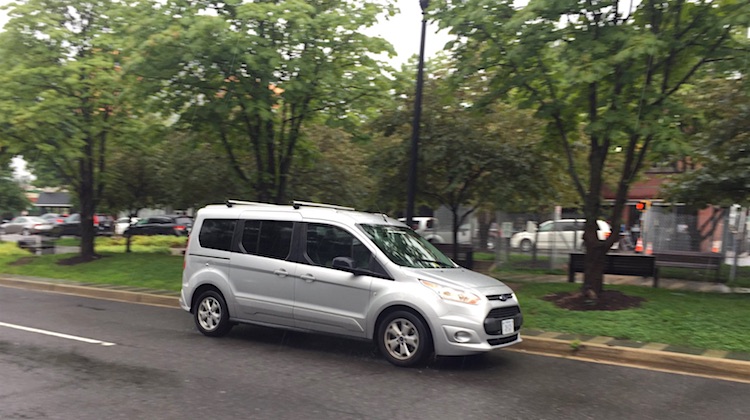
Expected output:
(696, 365)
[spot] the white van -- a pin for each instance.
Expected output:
(563, 234)
(314, 267)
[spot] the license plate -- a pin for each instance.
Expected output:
(508, 326)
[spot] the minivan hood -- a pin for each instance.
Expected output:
(461, 277)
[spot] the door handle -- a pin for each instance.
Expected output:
(308, 278)
(281, 272)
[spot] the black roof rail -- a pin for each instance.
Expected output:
(231, 203)
(297, 204)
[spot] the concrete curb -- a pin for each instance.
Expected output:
(698, 365)
(98, 292)
(708, 363)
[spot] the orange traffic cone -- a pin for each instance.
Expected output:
(716, 246)
(649, 249)
(639, 246)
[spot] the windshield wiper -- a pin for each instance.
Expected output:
(438, 263)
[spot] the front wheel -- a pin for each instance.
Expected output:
(211, 314)
(404, 339)
(525, 245)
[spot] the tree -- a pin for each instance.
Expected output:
(604, 72)
(251, 74)
(332, 168)
(721, 155)
(194, 172)
(467, 156)
(60, 85)
(12, 197)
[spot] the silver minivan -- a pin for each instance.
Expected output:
(330, 269)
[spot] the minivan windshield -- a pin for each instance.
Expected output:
(405, 247)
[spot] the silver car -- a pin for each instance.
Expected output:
(330, 269)
(27, 225)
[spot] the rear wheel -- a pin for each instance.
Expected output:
(211, 314)
(526, 245)
(25, 232)
(404, 339)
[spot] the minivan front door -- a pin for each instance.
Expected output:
(328, 299)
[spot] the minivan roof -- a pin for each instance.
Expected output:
(233, 209)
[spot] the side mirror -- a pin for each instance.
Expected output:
(343, 263)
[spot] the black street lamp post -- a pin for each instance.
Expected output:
(412, 187)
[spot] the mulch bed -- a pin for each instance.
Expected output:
(608, 300)
(22, 261)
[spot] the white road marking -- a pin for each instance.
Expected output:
(56, 334)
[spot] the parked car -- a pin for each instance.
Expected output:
(54, 218)
(177, 225)
(330, 269)
(563, 234)
(103, 225)
(27, 225)
(123, 223)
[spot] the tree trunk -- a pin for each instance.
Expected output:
(88, 208)
(594, 260)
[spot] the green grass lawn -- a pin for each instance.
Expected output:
(147, 266)
(699, 320)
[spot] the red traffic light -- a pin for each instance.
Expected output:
(641, 206)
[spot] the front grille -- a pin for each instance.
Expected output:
(494, 321)
(506, 312)
(504, 340)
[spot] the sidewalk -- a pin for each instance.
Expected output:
(608, 350)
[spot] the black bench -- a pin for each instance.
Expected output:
(619, 264)
(465, 256)
(688, 259)
(37, 246)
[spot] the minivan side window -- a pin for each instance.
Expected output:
(326, 242)
(267, 238)
(217, 234)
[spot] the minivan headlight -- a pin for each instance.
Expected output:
(451, 293)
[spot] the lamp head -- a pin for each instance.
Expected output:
(424, 4)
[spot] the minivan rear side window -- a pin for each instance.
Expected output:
(267, 238)
(217, 234)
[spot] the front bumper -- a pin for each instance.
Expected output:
(460, 336)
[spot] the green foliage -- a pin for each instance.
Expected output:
(332, 168)
(721, 157)
(603, 74)
(251, 76)
(677, 318)
(61, 93)
(162, 243)
(468, 157)
(12, 197)
(157, 271)
(11, 249)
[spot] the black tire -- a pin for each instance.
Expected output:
(211, 314)
(25, 232)
(404, 339)
(525, 245)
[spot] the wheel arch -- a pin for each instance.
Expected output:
(400, 307)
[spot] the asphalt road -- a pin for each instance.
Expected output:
(150, 362)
